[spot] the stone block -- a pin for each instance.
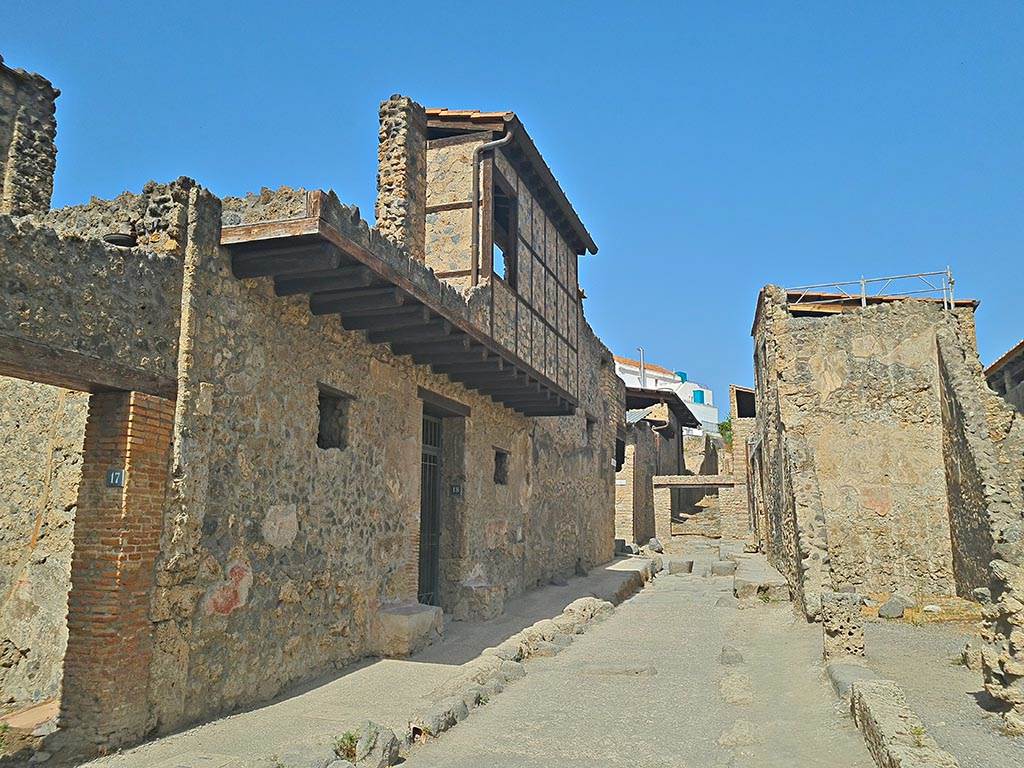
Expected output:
(676, 565)
(894, 607)
(754, 578)
(377, 746)
(842, 624)
(842, 676)
(401, 630)
(723, 568)
(894, 734)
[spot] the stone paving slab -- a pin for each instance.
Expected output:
(387, 691)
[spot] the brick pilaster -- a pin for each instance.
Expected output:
(116, 543)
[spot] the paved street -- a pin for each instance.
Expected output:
(651, 687)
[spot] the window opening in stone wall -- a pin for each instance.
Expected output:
(588, 434)
(504, 232)
(333, 427)
(745, 405)
(500, 466)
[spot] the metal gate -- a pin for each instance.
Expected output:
(430, 511)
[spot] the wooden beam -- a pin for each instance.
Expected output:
(472, 355)
(350, 301)
(505, 377)
(525, 387)
(526, 400)
(492, 364)
(434, 330)
(426, 348)
(567, 410)
(70, 369)
(399, 317)
(285, 260)
(445, 405)
(409, 306)
(345, 278)
(268, 231)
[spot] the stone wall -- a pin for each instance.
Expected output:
(41, 431)
(80, 312)
(634, 490)
(28, 155)
(270, 536)
(850, 434)
(983, 445)
(734, 508)
(402, 174)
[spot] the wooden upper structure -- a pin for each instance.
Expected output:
(524, 154)
(349, 270)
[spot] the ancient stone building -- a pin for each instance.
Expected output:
(652, 444)
(255, 435)
(1006, 376)
(849, 445)
(882, 462)
(711, 498)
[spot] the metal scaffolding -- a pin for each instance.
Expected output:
(936, 285)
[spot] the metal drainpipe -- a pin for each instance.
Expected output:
(643, 369)
(475, 232)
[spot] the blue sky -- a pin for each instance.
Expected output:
(709, 147)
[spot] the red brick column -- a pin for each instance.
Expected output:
(116, 542)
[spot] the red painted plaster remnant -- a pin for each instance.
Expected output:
(231, 594)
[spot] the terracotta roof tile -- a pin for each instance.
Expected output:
(647, 366)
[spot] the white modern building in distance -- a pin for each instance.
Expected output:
(698, 398)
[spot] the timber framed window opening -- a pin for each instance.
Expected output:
(505, 209)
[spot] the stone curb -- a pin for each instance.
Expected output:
(487, 675)
(894, 734)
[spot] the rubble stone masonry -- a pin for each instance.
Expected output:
(983, 445)
(402, 174)
(28, 155)
(41, 431)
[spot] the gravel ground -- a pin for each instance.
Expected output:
(949, 698)
(651, 686)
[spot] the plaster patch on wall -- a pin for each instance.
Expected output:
(280, 525)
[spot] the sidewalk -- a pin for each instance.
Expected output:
(387, 691)
(949, 698)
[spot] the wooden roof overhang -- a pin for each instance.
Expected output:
(640, 397)
(349, 270)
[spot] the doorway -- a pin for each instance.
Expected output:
(430, 511)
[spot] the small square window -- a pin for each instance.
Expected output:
(333, 428)
(500, 466)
